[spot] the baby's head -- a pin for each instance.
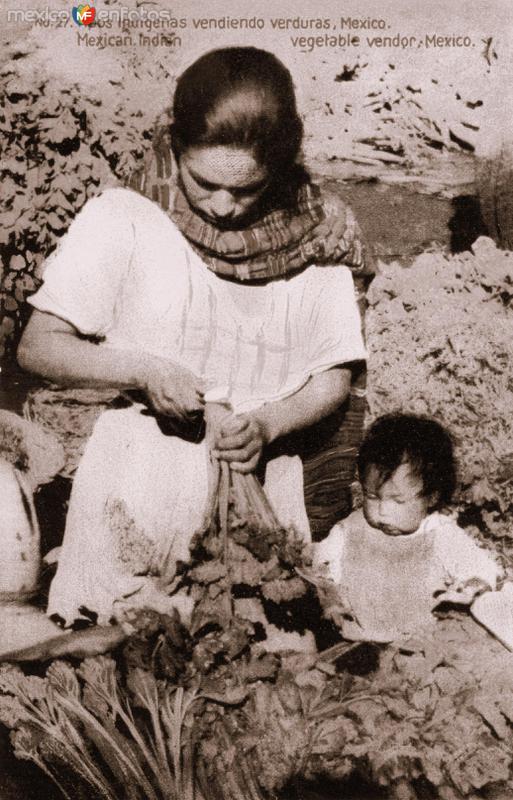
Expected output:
(407, 469)
(236, 130)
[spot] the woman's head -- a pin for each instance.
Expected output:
(235, 129)
(407, 468)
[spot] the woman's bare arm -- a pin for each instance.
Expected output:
(51, 347)
(321, 396)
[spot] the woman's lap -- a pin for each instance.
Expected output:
(138, 498)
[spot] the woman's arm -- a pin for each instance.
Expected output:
(52, 348)
(321, 396)
(242, 437)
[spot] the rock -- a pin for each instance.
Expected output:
(19, 537)
(23, 626)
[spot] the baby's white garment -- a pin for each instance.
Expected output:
(389, 582)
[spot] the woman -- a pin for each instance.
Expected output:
(220, 292)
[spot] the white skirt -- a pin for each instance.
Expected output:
(138, 499)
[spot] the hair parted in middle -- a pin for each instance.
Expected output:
(419, 441)
(240, 97)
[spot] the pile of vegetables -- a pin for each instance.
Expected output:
(206, 711)
(401, 111)
(439, 336)
(131, 727)
(29, 448)
(68, 415)
(434, 714)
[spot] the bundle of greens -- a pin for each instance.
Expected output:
(439, 336)
(98, 737)
(246, 561)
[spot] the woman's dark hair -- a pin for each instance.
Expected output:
(241, 97)
(423, 443)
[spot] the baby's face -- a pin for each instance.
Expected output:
(396, 507)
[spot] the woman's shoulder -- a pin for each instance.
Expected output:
(324, 279)
(115, 198)
(127, 205)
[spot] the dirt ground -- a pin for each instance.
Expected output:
(400, 223)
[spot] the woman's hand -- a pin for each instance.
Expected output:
(172, 389)
(53, 349)
(240, 439)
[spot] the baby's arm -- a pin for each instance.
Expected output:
(470, 569)
(327, 562)
(327, 555)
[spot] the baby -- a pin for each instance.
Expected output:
(392, 561)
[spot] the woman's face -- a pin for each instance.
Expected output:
(223, 183)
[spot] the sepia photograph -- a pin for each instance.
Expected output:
(256, 400)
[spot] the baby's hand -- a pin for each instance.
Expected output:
(340, 614)
(335, 606)
(463, 593)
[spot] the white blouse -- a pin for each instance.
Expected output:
(125, 272)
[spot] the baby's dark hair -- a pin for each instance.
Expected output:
(423, 443)
(240, 97)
